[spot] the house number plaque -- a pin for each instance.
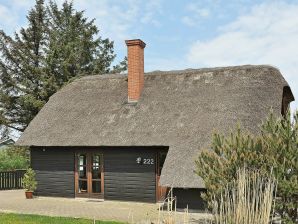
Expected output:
(145, 161)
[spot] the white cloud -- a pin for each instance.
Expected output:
(195, 14)
(112, 19)
(22, 3)
(12, 14)
(158, 62)
(197, 9)
(152, 8)
(120, 19)
(5, 17)
(268, 34)
(187, 20)
(116, 19)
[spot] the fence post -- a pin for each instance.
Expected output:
(1, 181)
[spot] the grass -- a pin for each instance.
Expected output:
(11, 218)
(249, 199)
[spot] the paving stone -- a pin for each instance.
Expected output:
(14, 201)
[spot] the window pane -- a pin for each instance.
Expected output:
(95, 160)
(96, 173)
(82, 172)
(82, 186)
(96, 187)
(82, 160)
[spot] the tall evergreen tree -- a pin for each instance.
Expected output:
(73, 46)
(56, 46)
(22, 70)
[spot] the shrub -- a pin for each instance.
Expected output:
(275, 148)
(29, 182)
(248, 199)
(12, 158)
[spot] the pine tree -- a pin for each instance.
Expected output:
(57, 46)
(274, 150)
(122, 66)
(22, 72)
(281, 137)
(73, 46)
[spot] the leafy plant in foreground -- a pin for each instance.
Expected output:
(274, 149)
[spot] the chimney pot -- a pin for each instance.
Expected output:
(135, 55)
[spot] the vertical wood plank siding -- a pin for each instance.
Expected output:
(54, 169)
(127, 180)
(11, 179)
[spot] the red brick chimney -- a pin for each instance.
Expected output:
(135, 55)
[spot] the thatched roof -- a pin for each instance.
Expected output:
(179, 109)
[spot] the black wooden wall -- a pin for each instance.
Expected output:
(191, 198)
(54, 169)
(125, 179)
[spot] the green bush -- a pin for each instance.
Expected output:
(29, 182)
(275, 149)
(12, 158)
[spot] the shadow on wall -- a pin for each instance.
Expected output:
(190, 197)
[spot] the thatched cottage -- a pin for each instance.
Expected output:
(131, 137)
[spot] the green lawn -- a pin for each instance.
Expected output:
(10, 218)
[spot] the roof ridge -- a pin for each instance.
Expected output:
(213, 69)
(184, 71)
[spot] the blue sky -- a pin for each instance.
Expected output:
(192, 34)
